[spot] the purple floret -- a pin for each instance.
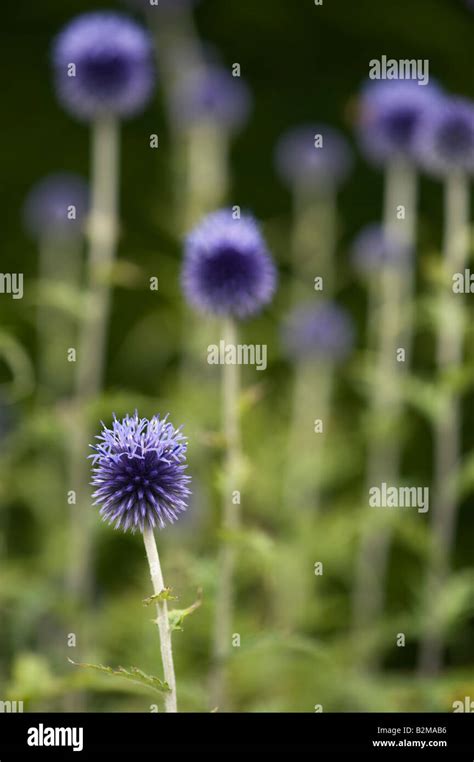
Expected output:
(390, 113)
(318, 332)
(114, 66)
(305, 160)
(373, 249)
(445, 140)
(57, 206)
(227, 268)
(139, 470)
(211, 94)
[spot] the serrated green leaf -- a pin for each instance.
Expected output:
(176, 617)
(164, 595)
(134, 674)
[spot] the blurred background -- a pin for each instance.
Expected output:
(298, 650)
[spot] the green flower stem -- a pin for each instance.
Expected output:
(447, 431)
(162, 618)
(395, 329)
(103, 231)
(59, 276)
(313, 244)
(313, 251)
(225, 600)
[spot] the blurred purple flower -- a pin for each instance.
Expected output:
(318, 332)
(211, 94)
(445, 140)
(139, 471)
(390, 112)
(302, 162)
(114, 66)
(373, 248)
(56, 206)
(227, 268)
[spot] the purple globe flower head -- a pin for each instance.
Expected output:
(318, 332)
(313, 157)
(57, 207)
(210, 93)
(227, 267)
(390, 112)
(373, 249)
(445, 139)
(103, 65)
(139, 470)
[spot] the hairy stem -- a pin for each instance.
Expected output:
(224, 612)
(395, 330)
(162, 618)
(447, 433)
(103, 227)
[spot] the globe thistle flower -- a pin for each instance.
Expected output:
(56, 207)
(305, 160)
(372, 249)
(139, 471)
(227, 267)
(318, 332)
(103, 64)
(211, 94)
(445, 139)
(390, 112)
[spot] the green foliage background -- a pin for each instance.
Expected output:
(302, 63)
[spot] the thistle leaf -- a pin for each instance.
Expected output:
(164, 595)
(176, 617)
(133, 674)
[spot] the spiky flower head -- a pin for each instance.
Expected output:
(138, 468)
(227, 268)
(373, 249)
(318, 332)
(57, 207)
(209, 93)
(389, 115)
(313, 157)
(445, 140)
(104, 66)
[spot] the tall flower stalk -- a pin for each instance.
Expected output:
(230, 522)
(447, 152)
(227, 272)
(54, 215)
(313, 161)
(104, 72)
(209, 107)
(389, 117)
(395, 330)
(139, 470)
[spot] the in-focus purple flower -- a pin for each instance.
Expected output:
(211, 94)
(139, 469)
(373, 249)
(389, 114)
(103, 65)
(227, 268)
(445, 139)
(313, 157)
(56, 207)
(318, 332)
